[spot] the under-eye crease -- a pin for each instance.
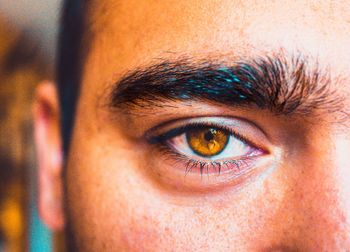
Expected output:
(176, 144)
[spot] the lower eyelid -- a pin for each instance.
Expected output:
(187, 164)
(236, 167)
(169, 169)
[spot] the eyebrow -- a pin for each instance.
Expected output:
(284, 86)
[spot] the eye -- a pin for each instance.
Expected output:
(228, 150)
(211, 143)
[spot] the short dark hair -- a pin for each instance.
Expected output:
(69, 63)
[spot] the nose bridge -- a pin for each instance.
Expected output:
(325, 198)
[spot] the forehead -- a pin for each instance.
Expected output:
(133, 33)
(152, 28)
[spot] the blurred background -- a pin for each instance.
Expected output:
(28, 33)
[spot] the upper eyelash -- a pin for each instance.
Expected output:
(195, 125)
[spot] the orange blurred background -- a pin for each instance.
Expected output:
(28, 30)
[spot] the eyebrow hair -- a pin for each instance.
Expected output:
(282, 85)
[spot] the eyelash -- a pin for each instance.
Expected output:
(237, 165)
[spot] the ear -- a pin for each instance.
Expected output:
(49, 155)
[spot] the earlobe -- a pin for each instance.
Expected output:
(49, 155)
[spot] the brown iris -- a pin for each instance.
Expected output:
(207, 141)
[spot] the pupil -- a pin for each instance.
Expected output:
(209, 135)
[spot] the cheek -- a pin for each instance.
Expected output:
(108, 201)
(113, 205)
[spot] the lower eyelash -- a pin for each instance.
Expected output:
(234, 166)
(237, 167)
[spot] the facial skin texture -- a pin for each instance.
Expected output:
(118, 193)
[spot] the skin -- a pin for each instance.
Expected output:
(118, 194)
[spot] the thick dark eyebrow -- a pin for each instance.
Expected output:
(275, 83)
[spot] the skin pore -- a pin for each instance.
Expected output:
(123, 192)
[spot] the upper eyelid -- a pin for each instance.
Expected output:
(206, 120)
(245, 130)
(180, 130)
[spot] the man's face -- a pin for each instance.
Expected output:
(212, 126)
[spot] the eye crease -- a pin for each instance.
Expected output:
(207, 142)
